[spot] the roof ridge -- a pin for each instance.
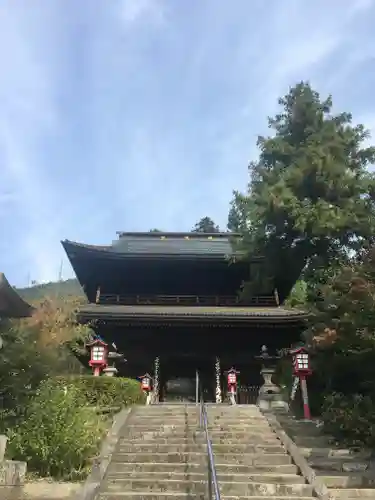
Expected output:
(177, 234)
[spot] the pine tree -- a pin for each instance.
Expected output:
(206, 225)
(310, 200)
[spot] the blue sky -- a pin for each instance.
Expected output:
(134, 114)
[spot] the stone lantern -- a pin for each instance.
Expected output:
(269, 397)
(113, 358)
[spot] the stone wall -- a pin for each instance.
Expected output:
(12, 473)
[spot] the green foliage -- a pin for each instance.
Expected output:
(104, 391)
(59, 435)
(206, 225)
(343, 329)
(310, 199)
(60, 431)
(22, 368)
(298, 295)
(350, 419)
(35, 349)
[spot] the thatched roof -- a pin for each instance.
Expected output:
(11, 304)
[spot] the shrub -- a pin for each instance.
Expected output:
(350, 419)
(59, 435)
(104, 391)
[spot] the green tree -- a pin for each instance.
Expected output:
(298, 295)
(206, 225)
(343, 328)
(310, 200)
(34, 349)
(342, 332)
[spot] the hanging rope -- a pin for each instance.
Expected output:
(156, 380)
(294, 388)
(218, 379)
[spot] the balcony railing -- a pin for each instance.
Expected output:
(186, 300)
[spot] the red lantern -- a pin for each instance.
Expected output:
(146, 382)
(301, 362)
(232, 379)
(98, 356)
(302, 369)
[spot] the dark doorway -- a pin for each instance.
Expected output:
(178, 379)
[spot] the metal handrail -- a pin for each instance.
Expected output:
(212, 475)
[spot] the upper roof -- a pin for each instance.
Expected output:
(11, 304)
(172, 244)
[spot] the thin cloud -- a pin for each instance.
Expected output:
(135, 114)
(134, 10)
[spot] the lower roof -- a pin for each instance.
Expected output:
(11, 304)
(260, 314)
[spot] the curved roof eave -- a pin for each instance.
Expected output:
(73, 249)
(11, 304)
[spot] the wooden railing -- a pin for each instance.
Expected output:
(186, 300)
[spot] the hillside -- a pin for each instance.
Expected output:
(68, 288)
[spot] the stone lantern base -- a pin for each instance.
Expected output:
(110, 371)
(270, 397)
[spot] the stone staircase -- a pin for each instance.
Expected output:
(348, 475)
(250, 460)
(161, 454)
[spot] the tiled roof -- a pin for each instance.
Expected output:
(11, 304)
(192, 312)
(172, 244)
(168, 244)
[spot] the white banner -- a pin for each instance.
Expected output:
(294, 388)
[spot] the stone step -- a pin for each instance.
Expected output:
(150, 422)
(226, 488)
(155, 485)
(248, 426)
(183, 475)
(166, 432)
(337, 464)
(162, 439)
(180, 468)
(178, 417)
(188, 431)
(330, 453)
(345, 480)
(142, 422)
(241, 434)
(293, 432)
(200, 439)
(180, 495)
(137, 429)
(236, 418)
(142, 447)
(247, 448)
(237, 428)
(311, 441)
(353, 493)
(268, 478)
(246, 440)
(199, 458)
(195, 409)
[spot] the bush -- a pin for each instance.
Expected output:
(350, 419)
(59, 435)
(104, 391)
(60, 432)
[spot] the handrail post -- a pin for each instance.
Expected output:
(213, 486)
(196, 386)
